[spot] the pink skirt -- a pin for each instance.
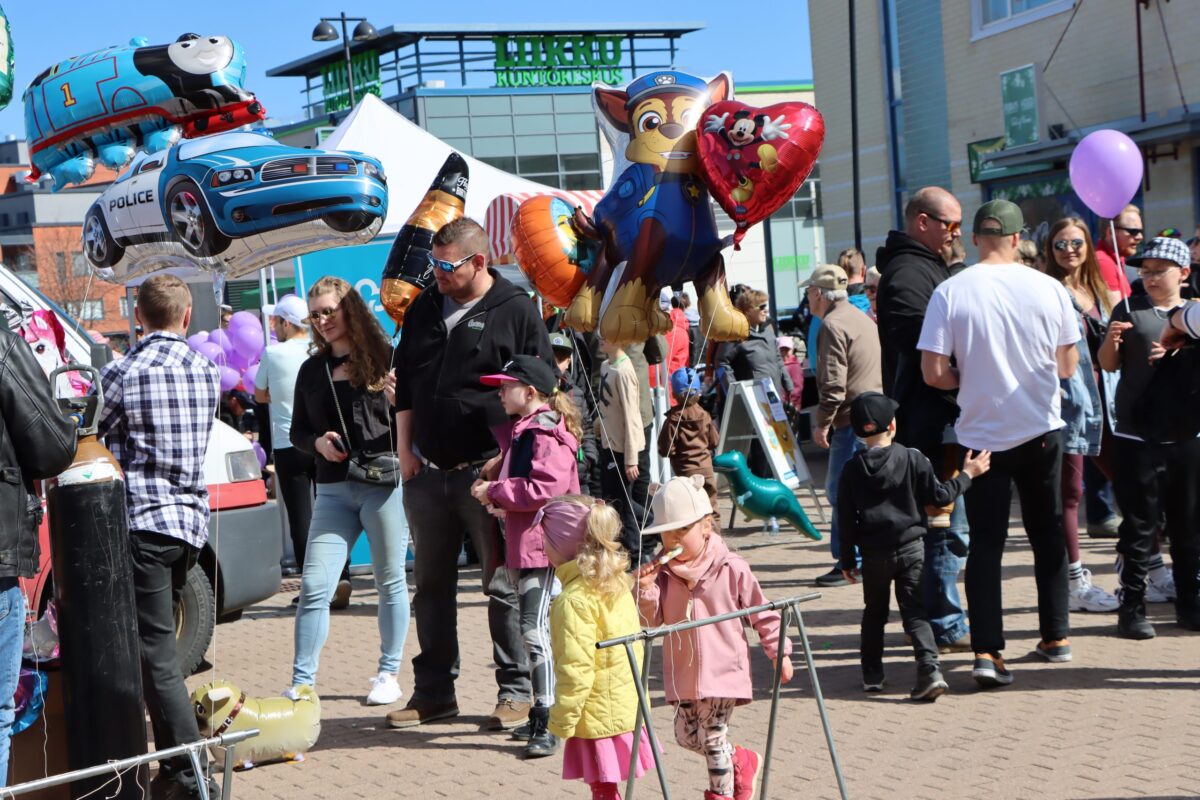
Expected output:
(605, 760)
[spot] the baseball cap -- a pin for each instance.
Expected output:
(529, 370)
(871, 413)
(1166, 248)
(827, 276)
(785, 341)
(1006, 213)
(290, 308)
(679, 503)
(561, 341)
(685, 380)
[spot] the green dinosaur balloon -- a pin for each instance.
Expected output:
(6, 61)
(762, 497)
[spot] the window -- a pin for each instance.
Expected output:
(4, 220)
(989, 17)
(79, 265)
(123, 307)
(60, 263)
(87, 311)
(149, 165)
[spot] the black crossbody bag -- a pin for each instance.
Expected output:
(373, 469)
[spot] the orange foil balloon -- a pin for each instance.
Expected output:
(551, 253)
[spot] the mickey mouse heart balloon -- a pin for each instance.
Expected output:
(754, 159)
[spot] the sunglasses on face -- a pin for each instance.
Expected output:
(1134, 232)
(1154, 274)
(322, 314)
(763, 307)
(1062, 245)
(952, 226)
(449, 266)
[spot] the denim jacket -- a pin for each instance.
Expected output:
(1081, 408)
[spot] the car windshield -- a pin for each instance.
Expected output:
(228, 141)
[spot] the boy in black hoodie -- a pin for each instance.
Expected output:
(882, 496)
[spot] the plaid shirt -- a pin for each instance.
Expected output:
(159, 405)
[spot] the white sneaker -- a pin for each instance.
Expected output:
(384, 690)
(1085, 596)
(293, 693)
(1160, 586)
(771, 526)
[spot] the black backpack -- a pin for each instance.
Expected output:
(1168, 410)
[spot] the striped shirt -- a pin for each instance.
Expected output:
(160, 402)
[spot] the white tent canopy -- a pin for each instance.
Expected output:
(412, 157)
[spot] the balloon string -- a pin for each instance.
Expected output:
(1112, 234)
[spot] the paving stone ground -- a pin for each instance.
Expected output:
(1119, 721)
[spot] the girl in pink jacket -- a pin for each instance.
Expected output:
(538, 451)
(706, 670)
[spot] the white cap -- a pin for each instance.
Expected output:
(290, 308)
(679, 503)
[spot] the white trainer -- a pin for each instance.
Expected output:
(1086, 596)
(1160, 585)
(771, 527)
(293, 693)
(384, 690)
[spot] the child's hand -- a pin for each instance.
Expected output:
(1157, 351)
(631, 472)
(851, 575)
(648, 574)
(479, 491)
(787, 671)
(977, 464)
(1116, 330)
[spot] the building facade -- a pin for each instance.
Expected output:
(520, 100)
(988, 99)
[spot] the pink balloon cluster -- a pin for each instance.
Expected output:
(236, 351)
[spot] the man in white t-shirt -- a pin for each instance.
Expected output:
(275, 383)
(1011, 332)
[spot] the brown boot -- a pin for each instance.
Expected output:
(419, 712)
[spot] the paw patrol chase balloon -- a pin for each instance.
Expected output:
(656, 217)
(6, 60)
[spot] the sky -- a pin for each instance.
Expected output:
(770, 42)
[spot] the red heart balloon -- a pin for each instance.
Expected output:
(754, 159)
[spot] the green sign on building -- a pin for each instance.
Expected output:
(1018, 94)
(335, 89)
(557, 60)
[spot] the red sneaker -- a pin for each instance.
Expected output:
(747, 773)
(710, 795)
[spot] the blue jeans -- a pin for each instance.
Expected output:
(342, 511)
(12, 636)
(843, 444)
(1097, 494)
(939, 587)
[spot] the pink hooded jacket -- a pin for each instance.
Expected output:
(713, 660)
(540, 450)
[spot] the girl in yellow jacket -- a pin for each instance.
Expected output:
(595, 701)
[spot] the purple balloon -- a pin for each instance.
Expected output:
(221, 339)
(237, 361)
(197, 339)
(249, 377)
(1106, 171)
(213, 352)
(262, 455)
(247, 339)
(229, 378)
(244, 318)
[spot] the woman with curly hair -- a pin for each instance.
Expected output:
(342, 413)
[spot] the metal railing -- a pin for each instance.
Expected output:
(118, 767)
(641, 678)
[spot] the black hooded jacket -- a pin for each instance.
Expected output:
(882, 497)
(437, 376)
(910, 272)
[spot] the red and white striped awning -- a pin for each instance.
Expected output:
(500, 213)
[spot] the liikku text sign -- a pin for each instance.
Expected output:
(558, 60)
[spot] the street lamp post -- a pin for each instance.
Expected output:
(363, 31)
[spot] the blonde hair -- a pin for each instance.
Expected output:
(561, 402)
(369, 348)
(749, 299)
(603, 563)
(163, 300)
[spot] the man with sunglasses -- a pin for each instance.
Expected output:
(1128, 228)
(911, 267)
(468, 324)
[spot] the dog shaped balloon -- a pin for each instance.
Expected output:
(287, 728)
(656, 217)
